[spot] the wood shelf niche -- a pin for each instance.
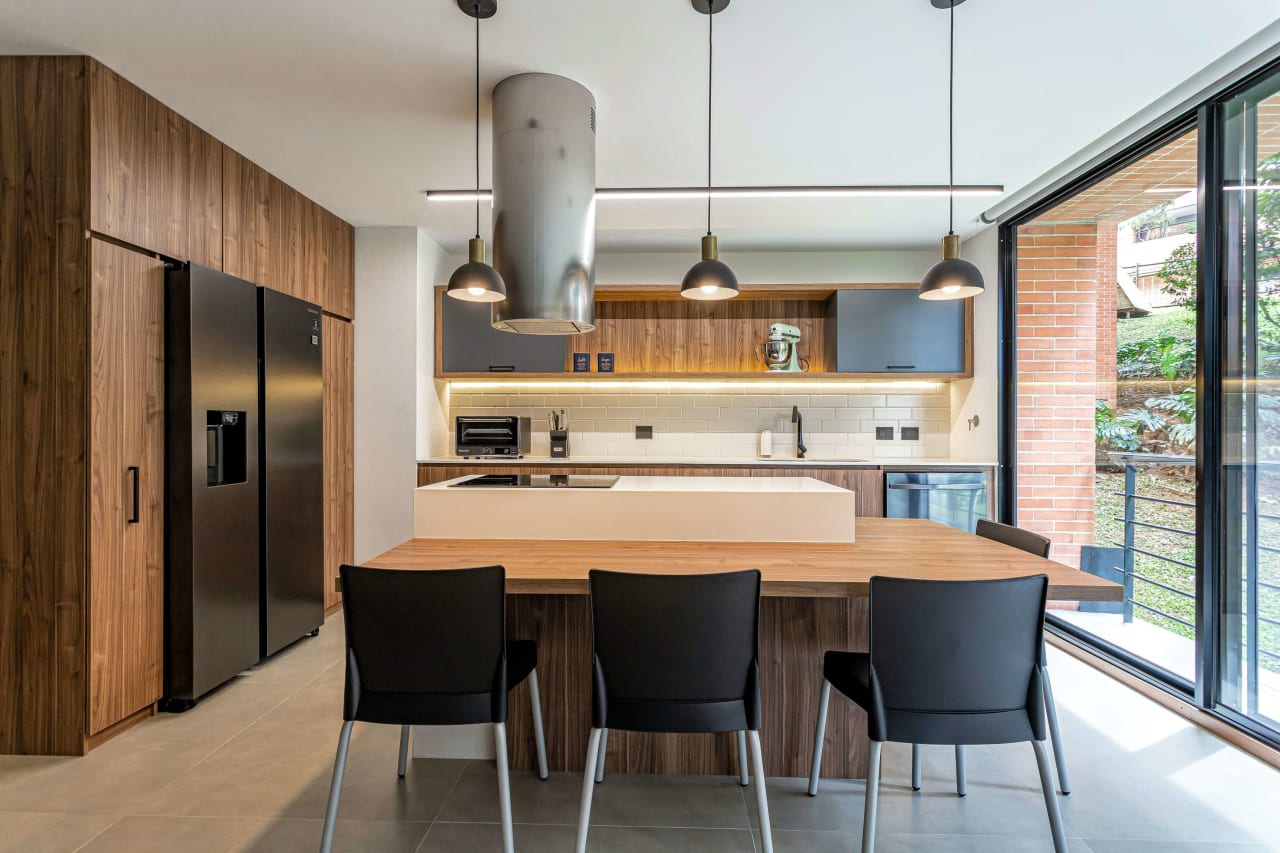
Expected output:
(656, 334)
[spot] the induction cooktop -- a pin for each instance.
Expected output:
(538, 481)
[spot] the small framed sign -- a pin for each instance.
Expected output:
(581, 362)
(604, 362)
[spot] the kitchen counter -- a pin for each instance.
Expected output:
(716, 461)
(669, 509)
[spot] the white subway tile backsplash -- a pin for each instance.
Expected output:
(727, 423)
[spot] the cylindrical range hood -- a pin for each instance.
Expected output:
(544, 209)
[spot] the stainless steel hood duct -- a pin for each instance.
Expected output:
(544, 209)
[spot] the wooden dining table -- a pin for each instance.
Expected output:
(814, 598)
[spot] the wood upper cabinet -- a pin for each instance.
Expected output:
(278, 238)
(155, 178)
(339, 447)
(126, 489)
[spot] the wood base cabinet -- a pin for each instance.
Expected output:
(126, 486)
(339, 448)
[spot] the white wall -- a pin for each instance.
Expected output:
(386, 267)
(434, 265)
(979, 395)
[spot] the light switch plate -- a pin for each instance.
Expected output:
(884, 433)
(911, 433)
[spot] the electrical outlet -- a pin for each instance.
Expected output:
(884, 433)
(644, 432)
(911, 433)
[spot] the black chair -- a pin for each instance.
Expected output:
(675, 653)
(430, 648)
(950, 662)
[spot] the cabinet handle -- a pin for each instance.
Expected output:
(502, 368)
(133, 470)
(899, 367)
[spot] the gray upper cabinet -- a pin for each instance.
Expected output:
(471, 345)
(892, 330)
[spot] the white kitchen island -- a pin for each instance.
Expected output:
(662, 509)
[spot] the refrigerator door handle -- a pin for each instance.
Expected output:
(133, 470)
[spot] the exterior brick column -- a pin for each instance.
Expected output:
(1106, 336)
(1057, 332)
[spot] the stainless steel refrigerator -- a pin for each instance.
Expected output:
(244, 477)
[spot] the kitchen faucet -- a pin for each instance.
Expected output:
(799, 422)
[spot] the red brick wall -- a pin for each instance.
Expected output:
(1106, 334)
(1057, 328)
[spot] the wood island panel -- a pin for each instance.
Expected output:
(814, 600)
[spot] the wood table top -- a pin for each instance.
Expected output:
(896, 547)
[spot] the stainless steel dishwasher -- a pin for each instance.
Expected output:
(955, 498)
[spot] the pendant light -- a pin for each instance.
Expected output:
(710, 278)
(952, 277)
(476, 281)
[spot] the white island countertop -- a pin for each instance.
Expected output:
(665, 509)
(716, 461)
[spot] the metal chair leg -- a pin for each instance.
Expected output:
(962, 776)
(917, 767)
(819, 735)
(603, 752)
(404, 751)
(743, 778)
(762, 800)
(588, 788)
(504, 786)
(539, 737)
(1050, 797)
(1051, 711)
(873, 796)
(335, 787)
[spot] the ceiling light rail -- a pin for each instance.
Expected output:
(700, 193)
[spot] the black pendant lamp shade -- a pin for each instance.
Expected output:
(476, 281)
(951, 277)
(710, 278)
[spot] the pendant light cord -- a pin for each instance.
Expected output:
(711, 23)
(477, 16)
(951, 126)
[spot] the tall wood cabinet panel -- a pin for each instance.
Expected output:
(246, 207)
(43, 387)
(156, 177)
(339, 449)
(126, 464)
(340, 276)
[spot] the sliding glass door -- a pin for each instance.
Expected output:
(1249, 632)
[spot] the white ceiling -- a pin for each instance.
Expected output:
(361, 105)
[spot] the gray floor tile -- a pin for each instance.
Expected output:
(1130, 846)
(816, 841)
(475, 797)
(51, 833)
(241, 835)
(487, 838)
(669, 801)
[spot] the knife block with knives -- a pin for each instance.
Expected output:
(559, 423)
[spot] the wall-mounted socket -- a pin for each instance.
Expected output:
(644, 432)
(911, 433)
(884, 433)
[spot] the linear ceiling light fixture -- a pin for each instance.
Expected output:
(669, 193)
(710, 278)
(952, 277)
(476, 281)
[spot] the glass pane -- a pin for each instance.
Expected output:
(1250, 640)
(1106, 401)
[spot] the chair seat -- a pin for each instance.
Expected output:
(641, 715)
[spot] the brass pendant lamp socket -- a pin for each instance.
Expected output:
(476, 281)
(951, 278)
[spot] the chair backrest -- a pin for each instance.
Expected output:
(956, 646)
(440, 633)
(676, 638)
(1015, 537)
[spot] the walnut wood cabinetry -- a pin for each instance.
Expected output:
(126, 486)
(339, 448)
(97, 181)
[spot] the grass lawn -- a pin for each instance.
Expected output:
(1179, 322)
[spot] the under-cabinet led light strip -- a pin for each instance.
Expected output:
(794, 387)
